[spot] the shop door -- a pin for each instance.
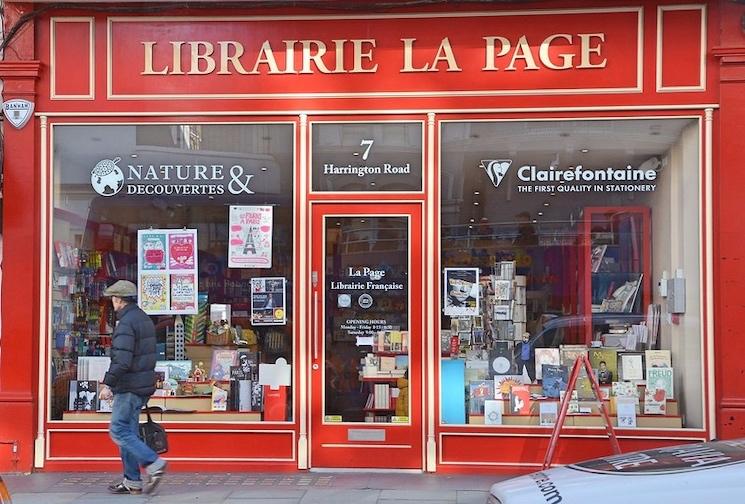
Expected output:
(366, 336)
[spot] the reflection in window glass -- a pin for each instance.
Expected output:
(111, 181)
(565, 227)
(366, 342)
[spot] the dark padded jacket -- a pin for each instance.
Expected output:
(133, 353)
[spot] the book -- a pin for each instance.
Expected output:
(222, 360)
(240, 389)
(598, 252)
(249, 361)
(83, 395)
(583, 386)
(568, 354)
(626, 411)
(219, 397)
(178, 370)
(104, 405)
(257, 396)
(476, 370)
(502, 311)
(605, 363)
(631, 366)
(545, 356)
(657, 358)
(503, 384)
(520, 400)
(502, 290)
(501, 362)
(493, 409)
(549, 412)
(161, 381)
(654, 401)
(661, 378)
(624, 389)
(555, 380)
(387, 364)
(478, 392)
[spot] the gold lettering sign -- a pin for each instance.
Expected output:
(558, 51)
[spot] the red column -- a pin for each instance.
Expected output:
(729, 226)
(20, 301)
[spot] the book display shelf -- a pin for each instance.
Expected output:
(615, 264)
(383, 374)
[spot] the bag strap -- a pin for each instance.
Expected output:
(147, 412)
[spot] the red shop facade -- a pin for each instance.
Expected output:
(373, 238)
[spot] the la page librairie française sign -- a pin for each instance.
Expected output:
(384, 55)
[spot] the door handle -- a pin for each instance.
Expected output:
(315, 325)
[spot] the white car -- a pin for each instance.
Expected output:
(711, 473)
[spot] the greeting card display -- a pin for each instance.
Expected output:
(152, 250)
(167, 271)
(181, 251)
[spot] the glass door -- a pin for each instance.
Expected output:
(366, 331)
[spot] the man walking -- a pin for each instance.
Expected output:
(131, 381)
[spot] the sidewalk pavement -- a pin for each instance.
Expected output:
(258, 488)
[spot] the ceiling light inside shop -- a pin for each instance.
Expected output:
(362, 221)
(540, 213)
(534, 221)
(476, 203)
(476, 193)
(264, 168)
(546, 203)
(473, 220)
(584, 151)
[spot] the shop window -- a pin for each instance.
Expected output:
(200, 217)
(367, 157)
(555, 236)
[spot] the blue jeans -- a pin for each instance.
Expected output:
(124, 431)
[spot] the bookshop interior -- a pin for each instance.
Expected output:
(558, 238)
(168, 207)
(562, 238)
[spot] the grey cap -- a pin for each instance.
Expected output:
(122, 288)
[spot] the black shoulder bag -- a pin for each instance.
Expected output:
(153, 434)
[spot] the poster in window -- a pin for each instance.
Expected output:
(268, 301)
(461, 292)
(250, 244)
(181, 251)
(183, 290)
(167, 265)
(154, 292)
(153, 251)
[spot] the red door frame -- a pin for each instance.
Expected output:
(329, 442)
